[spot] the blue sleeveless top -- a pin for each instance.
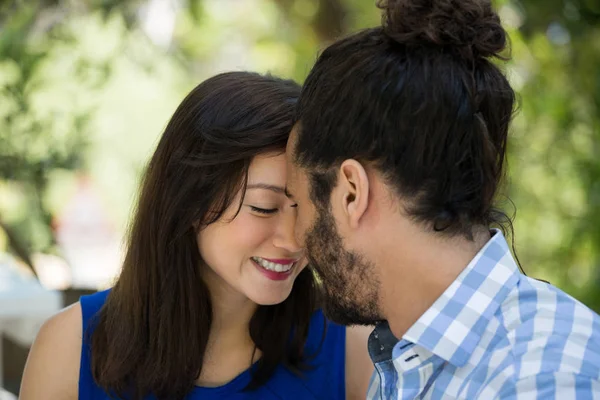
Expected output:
(325, 380)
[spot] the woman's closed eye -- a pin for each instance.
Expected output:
(263, 210)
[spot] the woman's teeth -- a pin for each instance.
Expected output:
(272, 266)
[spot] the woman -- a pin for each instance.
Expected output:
(214, 300)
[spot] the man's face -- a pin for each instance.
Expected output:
(351, 287)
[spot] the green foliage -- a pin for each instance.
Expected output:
(31, 144)
(555, 172)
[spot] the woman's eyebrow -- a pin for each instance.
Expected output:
(274, 188)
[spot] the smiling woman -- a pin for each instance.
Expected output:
(258, 237)
(214, 299)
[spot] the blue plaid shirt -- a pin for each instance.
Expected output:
(493, 334)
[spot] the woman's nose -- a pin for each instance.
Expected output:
(284, 236)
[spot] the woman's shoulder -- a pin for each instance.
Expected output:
(326, 344)
(322, 374)
(325, 333)
(52, 369)
(359, 367)
(54, 363)
(341, 356)
(91, 305)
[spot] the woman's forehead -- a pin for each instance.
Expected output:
(268, 169)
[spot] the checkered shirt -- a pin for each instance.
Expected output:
(493, 334)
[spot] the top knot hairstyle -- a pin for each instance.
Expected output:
(419, 99)
(471, 27)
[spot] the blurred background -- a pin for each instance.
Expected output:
(87, 86)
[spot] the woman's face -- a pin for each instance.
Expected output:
(256, 254)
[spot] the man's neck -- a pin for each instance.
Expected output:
(418, 268)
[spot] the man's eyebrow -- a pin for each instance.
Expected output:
(274, 188)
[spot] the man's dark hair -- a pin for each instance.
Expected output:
(420, 99)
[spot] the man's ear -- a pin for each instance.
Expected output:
(353, 191)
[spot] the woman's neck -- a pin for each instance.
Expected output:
(232, 311)
(230, 349)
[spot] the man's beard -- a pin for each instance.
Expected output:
(350, 283)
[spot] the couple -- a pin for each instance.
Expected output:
(368, 195)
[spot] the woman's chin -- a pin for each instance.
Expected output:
(270, 298)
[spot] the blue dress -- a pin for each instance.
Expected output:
(325, 380)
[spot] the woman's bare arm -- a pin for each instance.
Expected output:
(359, 366)
(52, 369)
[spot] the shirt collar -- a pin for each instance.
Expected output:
(452, 327)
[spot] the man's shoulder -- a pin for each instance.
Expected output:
(547, 330)
(541, 340)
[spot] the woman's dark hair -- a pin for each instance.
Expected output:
(150, 336)
(420, 99)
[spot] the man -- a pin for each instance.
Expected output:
(395, 164)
